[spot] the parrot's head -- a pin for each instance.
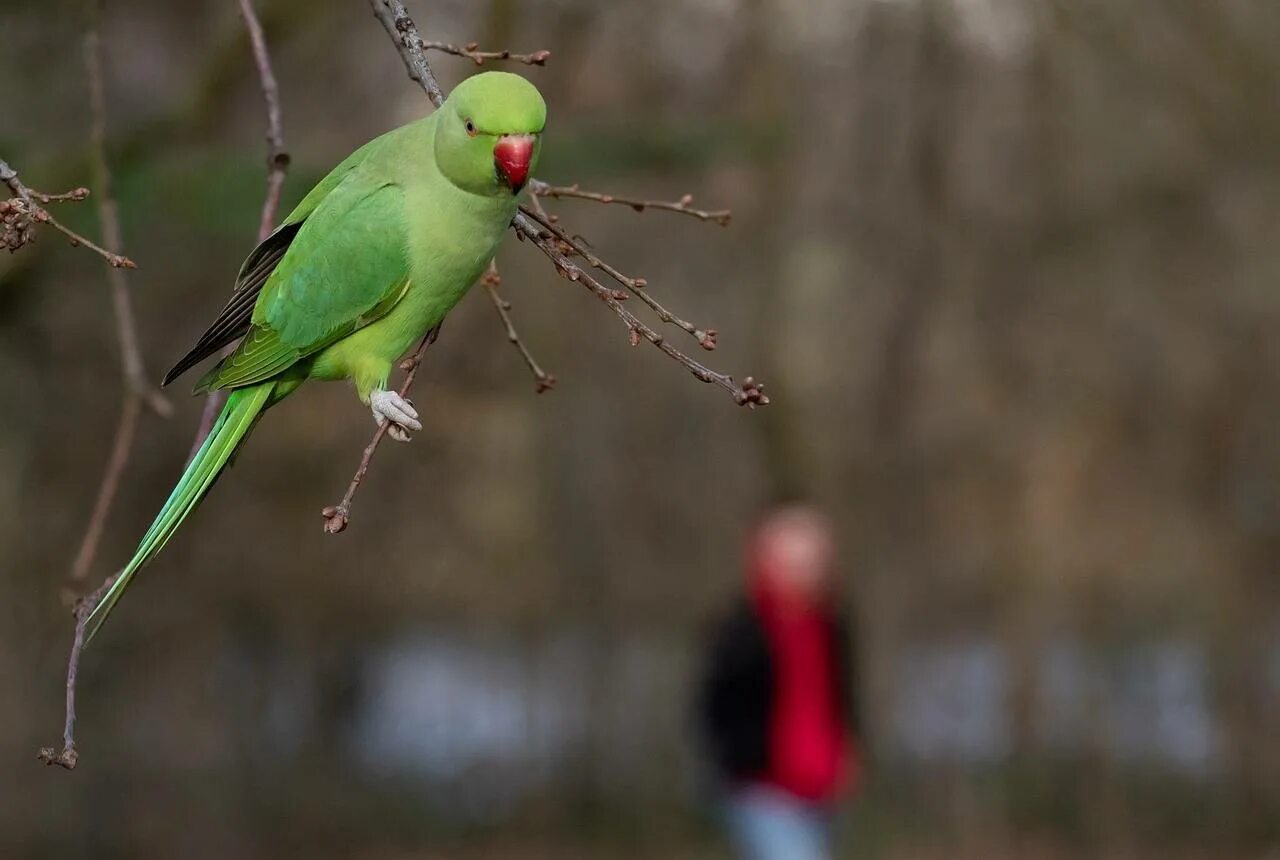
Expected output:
(489, 133)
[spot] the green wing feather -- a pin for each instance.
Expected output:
(233, 321)
(259, 357)
(347, 267)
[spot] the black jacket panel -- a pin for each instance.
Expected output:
(737, 695)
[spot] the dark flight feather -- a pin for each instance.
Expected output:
(234, 319)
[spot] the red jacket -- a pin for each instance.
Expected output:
(808, 742)
(764, 721)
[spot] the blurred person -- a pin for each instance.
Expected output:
(777, 703)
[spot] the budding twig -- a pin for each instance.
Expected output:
(337, 516)
(636, 286)
(26, 204)
(683, 205)
(749, 393)
(542, 381)
(75, 195)
(472, 52)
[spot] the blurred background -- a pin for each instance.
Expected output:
(1008, 270)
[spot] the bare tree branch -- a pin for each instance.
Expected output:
(112, 236)
(492, 280)
(136, 389)
(684, 205)
(277, 167)
(400, 27)
(24, 209)
(636, 286)
(749, 393)
(68, 756)
(472, 52)
(113, 474)
(337, 516)
(277, 164)
(277, 156)
(75, 195)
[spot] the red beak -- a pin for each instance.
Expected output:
(511, 156)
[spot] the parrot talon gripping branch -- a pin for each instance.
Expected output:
(395, 240)
(388, 406)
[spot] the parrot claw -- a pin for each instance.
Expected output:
(390, 406)
(398, 433)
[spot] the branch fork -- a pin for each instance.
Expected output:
(19, 213)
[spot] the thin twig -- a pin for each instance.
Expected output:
(121, 447)
(683, 205)
(68, 757)
(337, 516)
(39, 214)
(535, 203)
(492, 280)
(636, 286)
(277, 156)
(136, 389)
(75, 195)
(749, 393)
(112, 236)
(472, 52)
(277, 167)
(277, 162)
(400, 27)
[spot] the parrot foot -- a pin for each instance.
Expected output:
(390, 406)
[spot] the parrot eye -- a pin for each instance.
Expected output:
(471, 129)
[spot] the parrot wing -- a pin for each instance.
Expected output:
(234, 319)
(236, 316)
(345, 267)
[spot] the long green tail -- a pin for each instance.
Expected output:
(233, 424)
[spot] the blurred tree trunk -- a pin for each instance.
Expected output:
(903, 240)
(767, 94)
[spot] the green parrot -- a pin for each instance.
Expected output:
(373, 257)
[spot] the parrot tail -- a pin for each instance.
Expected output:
(244, 405)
